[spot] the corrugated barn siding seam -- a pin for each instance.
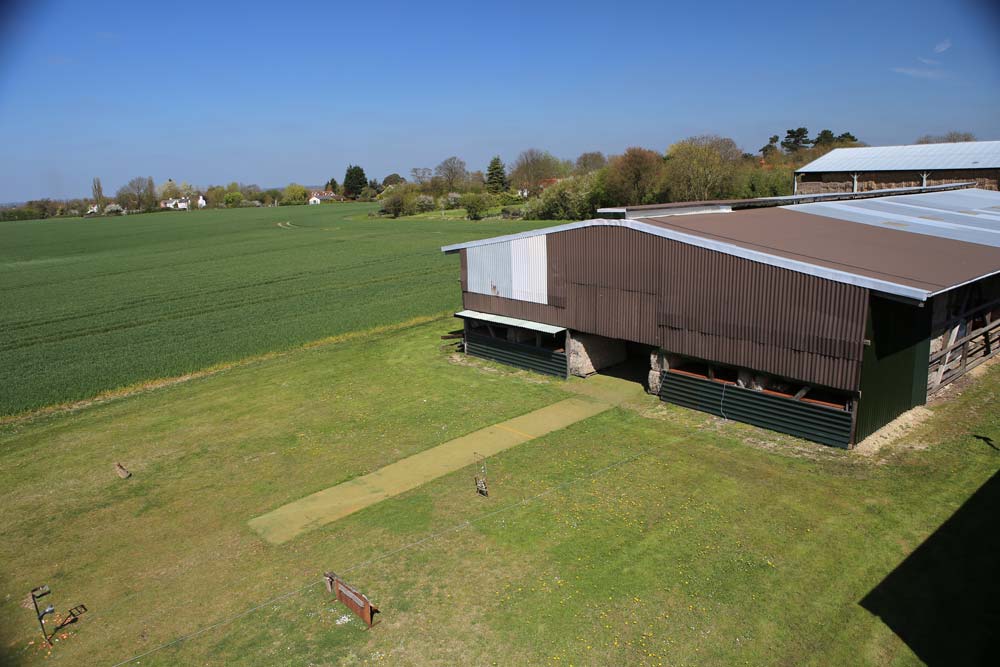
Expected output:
(528, 269)
(692, 301)
(490, 269)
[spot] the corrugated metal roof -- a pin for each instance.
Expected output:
(972, 216)
(922, 157)
(735, 249)
(509, 321)
(897, 258)
(727, 205)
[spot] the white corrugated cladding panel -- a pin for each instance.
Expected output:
(922, 157)
(529, 275)
(489, 269)
(963, 215)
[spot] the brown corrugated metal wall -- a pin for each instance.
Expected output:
(625, 284)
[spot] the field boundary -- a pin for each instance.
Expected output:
(155, 384)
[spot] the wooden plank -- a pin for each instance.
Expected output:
(951, 343)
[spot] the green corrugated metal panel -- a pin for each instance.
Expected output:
(894, 367)
(536, 359)
(801, 419)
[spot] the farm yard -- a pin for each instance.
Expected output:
(643, 534)
(94, 305)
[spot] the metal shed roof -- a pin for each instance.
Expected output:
(920, 157)
(933, 243)
(961, 215)
(509, 321)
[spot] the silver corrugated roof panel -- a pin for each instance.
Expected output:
(509, 321)
(972, 216)
(920, 157)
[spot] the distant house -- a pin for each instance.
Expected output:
(320, 197)
(884, 167)
(178, 204)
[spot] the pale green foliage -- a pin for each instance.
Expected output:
(575, 198)
(701, 168)
(294, 194)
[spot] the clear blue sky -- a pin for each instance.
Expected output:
(269, 93)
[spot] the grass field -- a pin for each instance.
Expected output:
(88, 306)
(642, 535)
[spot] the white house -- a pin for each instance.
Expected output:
(320, 196)
(182, 203)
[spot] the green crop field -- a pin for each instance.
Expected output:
(89, 306)
(645, 535)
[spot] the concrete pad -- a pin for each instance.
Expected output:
(608, 389)
(328, 505)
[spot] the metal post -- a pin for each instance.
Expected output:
(795, 184)
(39, 615)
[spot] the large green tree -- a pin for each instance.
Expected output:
(796, 140)
(496, 175)
(392, 179)
(635, 177)
(354, 181)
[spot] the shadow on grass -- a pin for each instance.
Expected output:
(944, 599)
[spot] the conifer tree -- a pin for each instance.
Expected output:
(496, 176)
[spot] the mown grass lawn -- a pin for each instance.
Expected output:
(91, 305)
(640, 536)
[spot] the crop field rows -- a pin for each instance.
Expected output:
(94, 305)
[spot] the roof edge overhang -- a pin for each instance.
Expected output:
(836, 275)
(509, 321)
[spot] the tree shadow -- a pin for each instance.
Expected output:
(944, 599)
(988, 440)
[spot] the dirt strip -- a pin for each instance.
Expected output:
(328, 505)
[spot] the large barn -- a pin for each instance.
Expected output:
(825, 320)
(918, 165)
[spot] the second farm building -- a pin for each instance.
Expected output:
(825, 319)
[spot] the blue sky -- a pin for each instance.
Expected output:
(270, 93)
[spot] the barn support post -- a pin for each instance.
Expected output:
(854, 180)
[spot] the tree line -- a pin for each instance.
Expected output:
(537, 184)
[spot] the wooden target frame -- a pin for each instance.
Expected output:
(352, 598)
